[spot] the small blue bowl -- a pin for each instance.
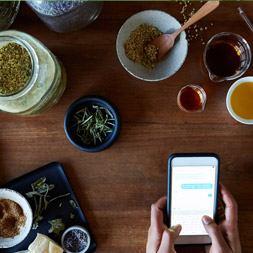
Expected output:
(89, 102)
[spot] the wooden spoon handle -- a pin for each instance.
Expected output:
(202, 12)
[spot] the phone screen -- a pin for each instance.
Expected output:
(192, 196)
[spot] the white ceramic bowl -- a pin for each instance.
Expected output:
(174, 58)
(24, 231)
(228, 100)
(77, 228)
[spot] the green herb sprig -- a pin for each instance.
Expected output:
(73, 204)
(40, 196)
(92, 127)
(56, 226)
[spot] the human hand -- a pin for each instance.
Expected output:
(225, 236)
(161, 238)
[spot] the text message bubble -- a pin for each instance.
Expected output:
(196, 186)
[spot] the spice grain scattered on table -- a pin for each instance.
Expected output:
(195, 31)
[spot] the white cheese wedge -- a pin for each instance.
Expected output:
(44, 244)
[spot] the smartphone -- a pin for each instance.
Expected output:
(193, 181)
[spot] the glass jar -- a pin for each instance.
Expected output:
(66, 16)
(227, 56)
(47, 80)
(8, 12)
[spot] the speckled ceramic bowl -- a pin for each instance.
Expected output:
(174, 58)
(23, 203)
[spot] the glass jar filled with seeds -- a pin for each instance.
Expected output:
(32, 80)
(66, 16)
(8, 12)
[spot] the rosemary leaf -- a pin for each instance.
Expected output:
(92, 126)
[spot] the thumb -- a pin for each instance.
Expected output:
(214, 232)
(168, 239)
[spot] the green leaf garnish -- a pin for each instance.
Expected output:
(56, 226)
(73, 204)
(41, 199)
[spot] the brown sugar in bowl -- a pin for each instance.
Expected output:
(15, 218)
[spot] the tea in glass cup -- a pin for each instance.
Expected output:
(227, 56)
(191, 98)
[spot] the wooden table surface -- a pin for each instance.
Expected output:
(116, 187)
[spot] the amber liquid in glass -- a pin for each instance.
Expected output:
(242, 100)
(191, 99)
(223, 59)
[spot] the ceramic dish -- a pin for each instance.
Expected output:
(74, 234)
(174, 58)
(71, 131)
(23, 203)
(242, 100)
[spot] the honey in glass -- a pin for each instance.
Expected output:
(191, 98)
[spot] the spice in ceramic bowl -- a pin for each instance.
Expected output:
(75, 239)
(15, 218)
(138, 48)
(12, 218)
(156, 23)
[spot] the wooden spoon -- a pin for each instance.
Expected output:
(166, 41)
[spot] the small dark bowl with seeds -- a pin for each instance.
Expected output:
(92, 123)
(75, 239)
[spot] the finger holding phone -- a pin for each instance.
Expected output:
(161, 238)
(225, 236)
(193, 185)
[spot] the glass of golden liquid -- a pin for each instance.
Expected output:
(191, 98)
(239, 100)
(227, 56)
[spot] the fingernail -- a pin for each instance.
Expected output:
(176, 227)
(206, 220)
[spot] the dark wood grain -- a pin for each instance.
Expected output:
(117, 186)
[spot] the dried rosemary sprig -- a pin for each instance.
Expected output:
(93, 126)
(40, 196)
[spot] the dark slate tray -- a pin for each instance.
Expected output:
(55, 175)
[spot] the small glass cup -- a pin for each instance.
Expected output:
(191, 98)
(227, 56)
